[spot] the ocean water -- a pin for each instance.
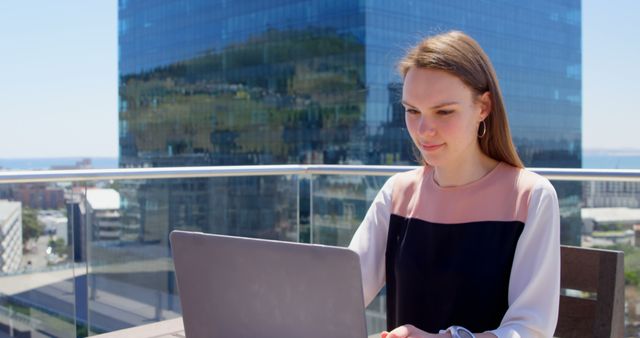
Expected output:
(597, 160)
(611, 161)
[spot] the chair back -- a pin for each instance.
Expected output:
(593, 271)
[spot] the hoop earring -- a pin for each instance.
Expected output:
(484, 129)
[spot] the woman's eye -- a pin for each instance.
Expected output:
(444, 112)
(411, 111)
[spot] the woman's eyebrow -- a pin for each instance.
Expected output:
(405, 103)
(439, 105)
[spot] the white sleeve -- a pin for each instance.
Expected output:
(370, 242)
(534, 286)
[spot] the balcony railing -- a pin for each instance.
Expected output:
(73, 277)
(565, 174)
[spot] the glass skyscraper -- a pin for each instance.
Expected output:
(282, 81)
(217, 82)
(287, 81)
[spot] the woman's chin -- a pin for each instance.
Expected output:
(433, 161)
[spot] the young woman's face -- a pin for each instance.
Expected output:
(442, 115)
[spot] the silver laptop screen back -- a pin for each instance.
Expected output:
(241, 287)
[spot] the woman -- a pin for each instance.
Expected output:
(468, 244)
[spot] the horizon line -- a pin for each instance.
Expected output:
(620, 151)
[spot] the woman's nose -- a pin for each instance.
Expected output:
(426, 127)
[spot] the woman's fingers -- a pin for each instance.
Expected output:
(400, 332)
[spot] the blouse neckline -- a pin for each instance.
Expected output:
(488, 177)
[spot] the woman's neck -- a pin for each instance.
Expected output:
(464, 172)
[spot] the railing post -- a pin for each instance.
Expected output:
(11, 321)
(303, 212)
(311, 208)
(298, 210)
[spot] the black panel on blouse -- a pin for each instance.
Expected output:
(440, 275)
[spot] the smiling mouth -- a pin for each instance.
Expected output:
(431, 147)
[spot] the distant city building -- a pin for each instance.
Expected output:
(130, 218)
(617, 216)
(96, 212)
(40, 195)
(6, 192)
(610, 226)
(55, 222)
(34, 195)
(103, 209)
(77, 225)
(10, 236)
(85, 163)
(607, 194)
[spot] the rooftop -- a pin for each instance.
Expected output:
(103, 199)
(611, 214)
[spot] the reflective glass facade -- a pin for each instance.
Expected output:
(290, 81)
(241, 82)
(535, 47)
(253, 82)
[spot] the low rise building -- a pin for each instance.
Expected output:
(610, 226)
(103, 207)
(10, 236)
(55, 223)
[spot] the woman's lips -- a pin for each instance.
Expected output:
(431, 147)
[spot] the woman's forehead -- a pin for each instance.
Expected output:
(431, 87)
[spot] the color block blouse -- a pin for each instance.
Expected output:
(485, 255)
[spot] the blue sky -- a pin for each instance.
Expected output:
(58, 77)
(610, 74)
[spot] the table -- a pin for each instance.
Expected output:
(170, 328)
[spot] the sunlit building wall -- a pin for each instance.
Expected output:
(599, 194)
(103, 209)
(10, 236)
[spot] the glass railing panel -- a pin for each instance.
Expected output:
(602, 214)
(37, 270)
(339, 204)
(131, 279)
(116, 270)
(570, 199)
(610, 219)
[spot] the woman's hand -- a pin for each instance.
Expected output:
(410, 331)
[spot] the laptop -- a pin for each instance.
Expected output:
(245, 287)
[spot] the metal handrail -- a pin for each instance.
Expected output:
(568, 174)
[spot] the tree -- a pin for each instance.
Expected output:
(58, 246)
(31, 228)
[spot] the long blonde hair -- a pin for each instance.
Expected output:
(458, 54)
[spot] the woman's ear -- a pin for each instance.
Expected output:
(485, 105)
